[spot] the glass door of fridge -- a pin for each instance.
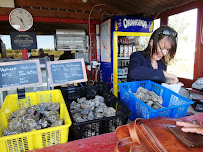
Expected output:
(124, 44)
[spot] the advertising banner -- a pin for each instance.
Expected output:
(132, 24)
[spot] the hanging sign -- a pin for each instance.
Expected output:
(20, 74)
(66, 72)
(23, 40)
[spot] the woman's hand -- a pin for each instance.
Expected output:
(190, 127)
(171, 78)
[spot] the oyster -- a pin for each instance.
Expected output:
(36, 117)
(8, 132)
(18, 113)
(30, 124)
(54, 106)
(84, 110)
(109, 112)
(57, 123)
(96, 102)
(149, 103)
(15, 125)
(80, 100)
(149, 97)
(100, 98)
(91, 116)
(43, 123)
(52, 116)
(78, 117)
(99, 109)
(99, 115)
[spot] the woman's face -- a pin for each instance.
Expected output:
(163, 48)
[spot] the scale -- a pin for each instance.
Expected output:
(198, 105)
(198, 86)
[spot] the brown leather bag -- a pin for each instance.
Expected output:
(150, 135)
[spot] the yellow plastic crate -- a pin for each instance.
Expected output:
(36, 138)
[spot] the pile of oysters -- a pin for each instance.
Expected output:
(149, 97)
(84, 110)
(37, 117)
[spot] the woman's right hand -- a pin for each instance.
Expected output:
(171, 78)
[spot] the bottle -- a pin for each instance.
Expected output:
(130, 48)
(125, 68)
(122, 68)
(118, 51)
(119, 71)
(126, 48)
(121, 48)
(134, 45)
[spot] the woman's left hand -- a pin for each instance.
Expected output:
(174, 80)
(171, 78)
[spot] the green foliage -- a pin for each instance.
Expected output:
(17, 54)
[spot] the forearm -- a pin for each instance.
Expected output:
(145, 73)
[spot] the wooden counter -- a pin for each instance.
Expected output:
(100, 143)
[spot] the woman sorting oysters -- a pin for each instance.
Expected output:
(151, 64)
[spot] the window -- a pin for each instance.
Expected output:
(185, 24)
(45, 41)
(6, 40)
(156, 24)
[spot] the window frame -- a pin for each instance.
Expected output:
(198, 61)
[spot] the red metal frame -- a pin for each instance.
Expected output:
(55, 20)
(3, 18)
(93, 46)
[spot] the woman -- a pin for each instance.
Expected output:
(151, 63)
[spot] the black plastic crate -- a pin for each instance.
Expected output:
(97, 126)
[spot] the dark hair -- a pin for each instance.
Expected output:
(41, 52)
(159, 34)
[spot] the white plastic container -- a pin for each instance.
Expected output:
(173, 87)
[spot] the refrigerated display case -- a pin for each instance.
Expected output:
(120, 37)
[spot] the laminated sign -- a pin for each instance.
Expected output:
(66, 72)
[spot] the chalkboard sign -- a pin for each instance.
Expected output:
(66, 72)
(20, 74)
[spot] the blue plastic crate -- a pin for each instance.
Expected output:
(175, 105)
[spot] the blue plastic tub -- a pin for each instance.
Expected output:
(175, 105)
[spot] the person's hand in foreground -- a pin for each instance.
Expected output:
(190, 127)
